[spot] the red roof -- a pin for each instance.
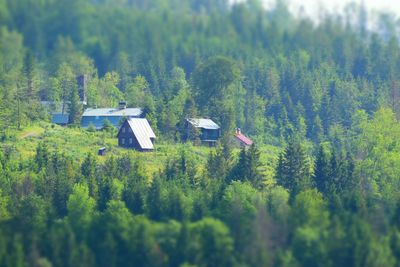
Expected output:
(245, 140)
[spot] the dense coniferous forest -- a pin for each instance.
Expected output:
(319, 187)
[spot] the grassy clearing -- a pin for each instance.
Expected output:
(77, 143)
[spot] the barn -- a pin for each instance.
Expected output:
(207, 130)
(136, 133)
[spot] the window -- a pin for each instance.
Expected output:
(123, 129)
(130, 141)
(123, 141)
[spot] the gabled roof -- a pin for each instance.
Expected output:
(245, 140)
(142, 131)
(203, 123)
(59, 118)
(108, 112)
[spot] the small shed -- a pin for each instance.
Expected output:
(242, 140)
(102, 151)
(60, 118)
(208, 131)
(136, 133)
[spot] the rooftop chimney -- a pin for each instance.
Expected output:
(122, 105)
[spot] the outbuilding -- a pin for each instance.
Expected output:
(136, 133)
(241, 140)
(102, 151)
(204, 129)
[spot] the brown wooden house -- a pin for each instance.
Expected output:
(136, 133)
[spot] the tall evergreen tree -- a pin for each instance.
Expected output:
(75, 107)
(247, 167)
(88, 170)
(294, 171)
(153, 200)
(323, 170)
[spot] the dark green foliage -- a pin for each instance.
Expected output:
(212, 243)
(75, 109)
(334, 173)
(88, 170)
(294, 171)
(135, 189)
(42, 156)
(323, 170)
(212, 83)
(153, 201)
(248, 167)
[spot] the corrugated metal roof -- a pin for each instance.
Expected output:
(203, 123)
(143, 132)
(59, 118)
(109, 112)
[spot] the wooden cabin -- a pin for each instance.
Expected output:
(136, 133)
(206, 130)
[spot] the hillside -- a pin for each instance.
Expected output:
(77, 143)
(316, 182)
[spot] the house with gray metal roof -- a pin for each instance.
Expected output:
(98, 116)
(206, 130)
(136, 133)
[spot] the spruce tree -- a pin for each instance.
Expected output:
(154, 200)
(30, 72)
(247, 167)
(239, 170)
(88, 170)
(253, 162)
(293, 171)
(75, 107)
(323, 169)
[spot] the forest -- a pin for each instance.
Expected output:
(320, 186)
